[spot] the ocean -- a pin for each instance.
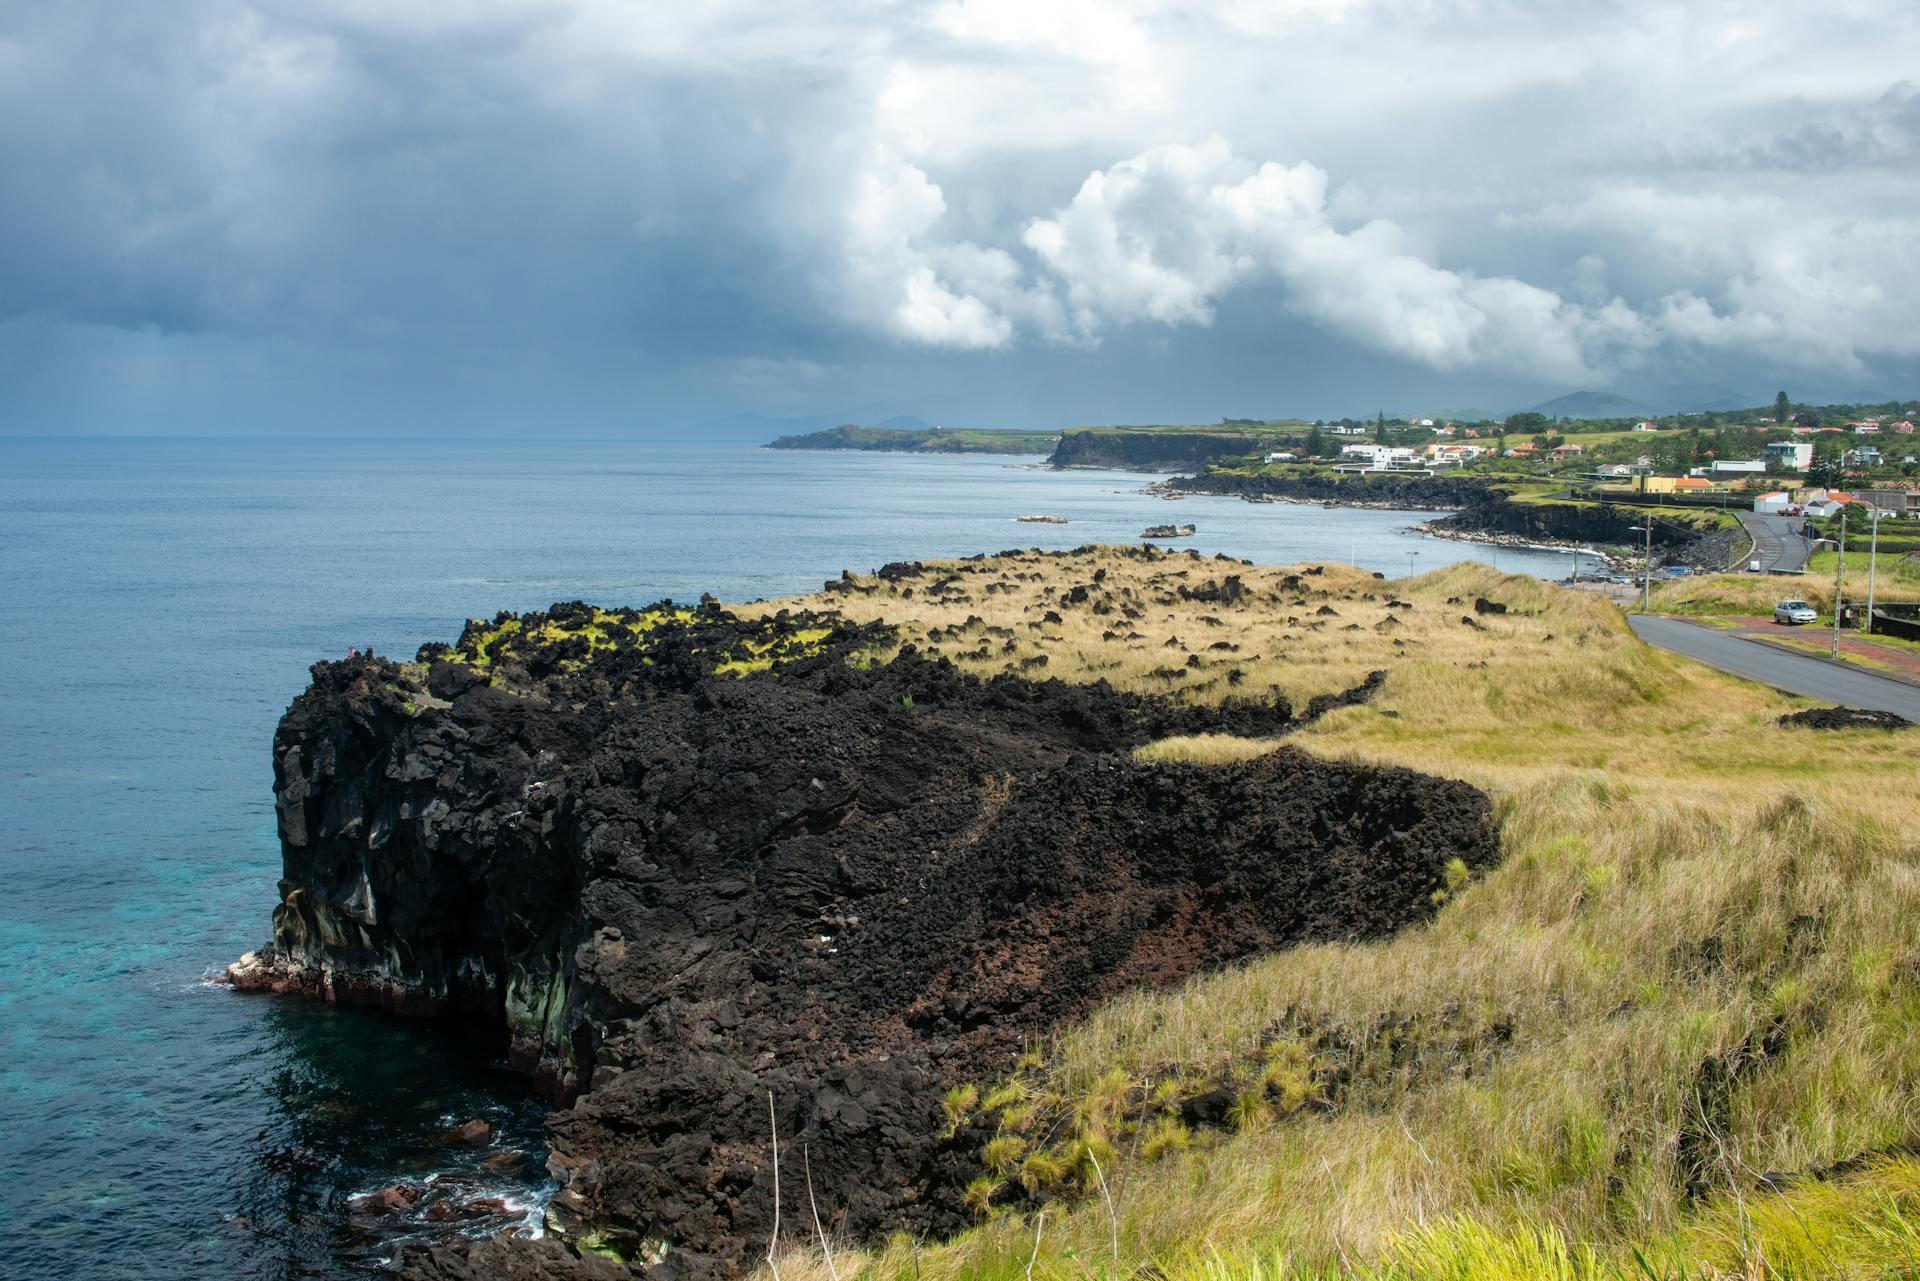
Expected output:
(160, 602)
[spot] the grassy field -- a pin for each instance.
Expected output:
(1895, 577)
(1748, 594)
(1629, 1050)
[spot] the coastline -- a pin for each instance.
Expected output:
(1520, 543)
(1165, 489)
(1441, 494)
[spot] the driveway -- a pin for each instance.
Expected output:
(1780, 668)
(1777, 543)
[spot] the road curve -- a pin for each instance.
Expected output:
(1782, 669)
(1777, 543)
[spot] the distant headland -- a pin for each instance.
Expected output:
(928, 440)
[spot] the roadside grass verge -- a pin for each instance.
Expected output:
(1692, 983)
(1821, 649)
(1741, 593)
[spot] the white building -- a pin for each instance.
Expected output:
(1281, 457)
(1378, 457)
(1738, 467)
(1776, 502)
(1797, 454)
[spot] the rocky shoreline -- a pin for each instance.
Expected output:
(1387, 492)
(1616, 557)
(1582, 525)
(686, 862)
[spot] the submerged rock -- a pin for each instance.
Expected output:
(700, 907)
(475, 1132)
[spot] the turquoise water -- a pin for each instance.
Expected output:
(160, 602)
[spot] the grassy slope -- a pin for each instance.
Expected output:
(1700, 961)
(1895, 577)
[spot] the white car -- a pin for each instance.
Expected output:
(1794, 611)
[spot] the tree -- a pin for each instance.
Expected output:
(1525, 424)
(1829, 467)
(1806, 418)
(1316, 442)
(1380, 426)
(1781, 408)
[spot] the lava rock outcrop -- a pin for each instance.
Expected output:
(703, 905)
(1843, 718)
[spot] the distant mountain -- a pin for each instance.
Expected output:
(1592, 404)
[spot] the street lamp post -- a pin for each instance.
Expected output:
(1646, 571)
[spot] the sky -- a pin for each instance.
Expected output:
(582, 217)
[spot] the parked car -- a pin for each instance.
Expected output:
(1794, 611)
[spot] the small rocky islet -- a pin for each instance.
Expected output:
(715, 877)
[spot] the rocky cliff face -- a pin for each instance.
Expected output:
(700, 904)
(1409, 493)
(1677, 544)
(1150, 451)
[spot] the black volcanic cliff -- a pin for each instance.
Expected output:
(1153, 450)
(844, 888)
(1409, 493)
(1610, 524)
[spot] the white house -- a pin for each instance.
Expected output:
(1281, 456)
(1863, 456)
(1797, 454)
(1379, 457)
(1775, 502)
(1645, 427)
(1738, 467)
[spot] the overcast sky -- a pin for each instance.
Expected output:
(582, 216)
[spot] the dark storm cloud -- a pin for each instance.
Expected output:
(554, 214)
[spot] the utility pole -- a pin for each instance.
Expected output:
(1646, 580)
(1873, 557)
(1839, 579)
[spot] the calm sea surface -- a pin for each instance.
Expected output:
(160, 602)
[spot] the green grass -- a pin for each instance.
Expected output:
(1697, 963)
(1895, 577)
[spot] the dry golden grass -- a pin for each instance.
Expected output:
(1699, 960)
(1745, 593)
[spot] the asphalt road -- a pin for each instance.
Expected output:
(1777, 544)
(1782, 669)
